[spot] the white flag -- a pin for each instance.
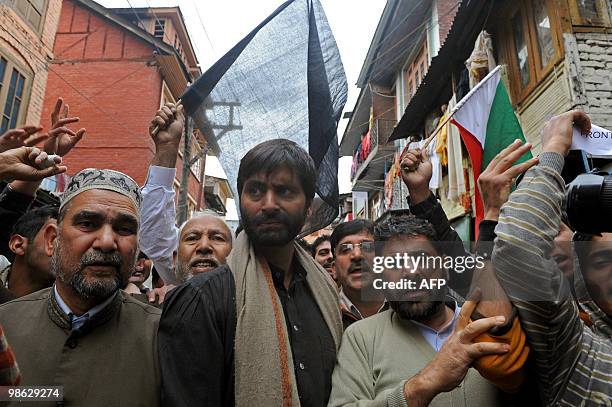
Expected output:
(597, 142)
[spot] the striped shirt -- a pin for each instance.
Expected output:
(574, 363)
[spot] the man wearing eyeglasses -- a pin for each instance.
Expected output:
(353, 246)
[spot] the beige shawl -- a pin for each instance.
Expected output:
(263, 360)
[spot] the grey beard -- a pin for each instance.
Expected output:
(182, 272)
(76, 279)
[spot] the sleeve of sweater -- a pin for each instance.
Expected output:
(528, 223)
(352, 383)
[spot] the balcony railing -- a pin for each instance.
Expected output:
(378, 135)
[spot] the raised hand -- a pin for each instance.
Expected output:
(416, 170)
(450, 365)
(495, 182)
(23, 136)
(169, 121)
(158, 295)
(28, 164)
(558, 131)
(62, 139)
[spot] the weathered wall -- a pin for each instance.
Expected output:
(589, 57)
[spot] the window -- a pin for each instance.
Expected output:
(196, 168)
(12, 93)
(422, 72)
(530, 41)
(545, 44)
(160, 26)
(3, 63)
(590, 12)
(32, 11)
(433, 32)
(521, 53)
(414, 72)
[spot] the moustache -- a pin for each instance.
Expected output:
(100, 259)
(359, 266)
(268, 218)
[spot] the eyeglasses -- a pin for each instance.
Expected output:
(346, 248)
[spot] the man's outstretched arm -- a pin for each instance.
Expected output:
(158, 231)
(528, 223)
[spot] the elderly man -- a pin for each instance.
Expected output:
(83, 333)
(262, 330)
(204, 241)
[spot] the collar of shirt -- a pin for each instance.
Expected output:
(437, 338)
(348, 304)
(78, 321)
(278, 274)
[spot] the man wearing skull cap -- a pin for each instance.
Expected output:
(84, 333)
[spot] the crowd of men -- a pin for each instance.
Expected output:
(255, 319)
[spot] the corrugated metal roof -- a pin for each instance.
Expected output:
(435, 89)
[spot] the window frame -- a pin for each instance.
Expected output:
(537, 72)
(14, 6)
(578, 20)
(27, 88)
(162, 23)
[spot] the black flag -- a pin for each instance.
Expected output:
(283, 80)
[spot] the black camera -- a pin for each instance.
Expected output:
(588, 203)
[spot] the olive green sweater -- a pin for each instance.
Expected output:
(378, 354)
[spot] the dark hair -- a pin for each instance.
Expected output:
(273, 154)
(317, 243)
(350, 228)
(405, 225)
(30, 223)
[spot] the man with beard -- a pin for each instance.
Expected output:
(203, 242)
(30, 269)
(262, 330)
(322, 253)
(422, 350)
(353, 245)
(83, 333)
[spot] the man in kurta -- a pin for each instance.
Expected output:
(84, 333)
(263, 329)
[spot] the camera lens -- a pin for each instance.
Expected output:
(589, 203)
